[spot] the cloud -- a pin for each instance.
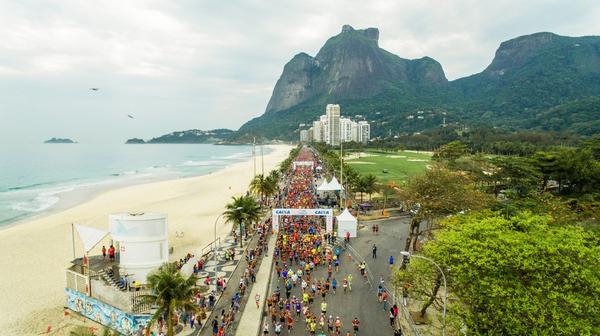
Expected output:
(195, 64)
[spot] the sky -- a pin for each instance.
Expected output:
(192, 64)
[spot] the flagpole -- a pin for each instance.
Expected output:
(73, 238)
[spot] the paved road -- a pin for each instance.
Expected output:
(362, 301)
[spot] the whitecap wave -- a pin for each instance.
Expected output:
(191, 163)
(40, 203)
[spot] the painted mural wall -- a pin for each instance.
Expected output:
(105, 314)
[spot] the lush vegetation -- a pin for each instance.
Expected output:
(521, 275)
(518, 238)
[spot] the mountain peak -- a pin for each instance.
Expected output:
(370, 33)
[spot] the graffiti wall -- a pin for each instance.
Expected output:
(104, 314)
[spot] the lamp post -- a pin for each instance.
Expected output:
(408, 255)
(215, 241)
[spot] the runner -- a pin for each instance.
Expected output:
(355, 324)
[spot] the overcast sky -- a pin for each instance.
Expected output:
(178, 65)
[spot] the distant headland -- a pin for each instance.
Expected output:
(60, 141)
(193, 136)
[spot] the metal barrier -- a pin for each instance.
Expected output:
(209, 247)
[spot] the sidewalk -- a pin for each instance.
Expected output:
(251, 316)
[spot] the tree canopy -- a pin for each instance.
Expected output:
(520, 275)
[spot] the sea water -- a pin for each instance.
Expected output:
(34, 178)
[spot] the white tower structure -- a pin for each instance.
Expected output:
(142, 242)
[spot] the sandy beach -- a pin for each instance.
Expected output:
(36, 253)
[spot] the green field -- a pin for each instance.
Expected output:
(399, 165)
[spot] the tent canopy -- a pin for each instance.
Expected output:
(324, 186)
(335, 185)
(90, 236)
(346, 223)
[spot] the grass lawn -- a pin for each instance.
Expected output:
(399, 165)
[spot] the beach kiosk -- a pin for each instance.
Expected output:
(346, 223)
(110, 290)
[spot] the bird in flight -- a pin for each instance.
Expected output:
(94, 89)
(130, 116)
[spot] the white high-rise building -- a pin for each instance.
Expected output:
(332, 111)
(304, 136)
(324, 129)
(332, 129)
(354, 132)
(346, 129)
(364, 132)
(317, 131)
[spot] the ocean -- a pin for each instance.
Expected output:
(35, 179)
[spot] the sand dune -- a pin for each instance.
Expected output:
(37, 252)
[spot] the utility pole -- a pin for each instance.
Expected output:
(342, 172)
(254, 154)
(262, 158)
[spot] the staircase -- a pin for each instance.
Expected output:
(109, 277)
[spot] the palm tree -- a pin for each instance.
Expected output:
(387, 190)
(242, 209)
(369, 184)
(258, 187)
(171, 291)
(272, 182)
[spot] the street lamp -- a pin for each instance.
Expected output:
(407, 255)
(215, 241)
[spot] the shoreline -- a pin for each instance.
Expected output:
(94, 188)
(37, 250)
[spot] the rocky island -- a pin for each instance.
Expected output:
(59, 141)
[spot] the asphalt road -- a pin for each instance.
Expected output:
(362, 301)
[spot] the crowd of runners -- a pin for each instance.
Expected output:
(300, 298)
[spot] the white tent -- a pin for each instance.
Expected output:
(90, 236)
(335, 185)
(346, 223)
(324, 186)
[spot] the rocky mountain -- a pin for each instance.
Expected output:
(193, 136)
(529, 77)
(532, 75)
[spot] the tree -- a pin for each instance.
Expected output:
(437, 193)
(368, 184)
(424, 281)
(450, 152)
(387, 190)
(259, 187)
(518, 174)
(521, 275)
(242, 209)
(171, 291)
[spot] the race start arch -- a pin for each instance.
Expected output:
(310, 164)
(327, 213)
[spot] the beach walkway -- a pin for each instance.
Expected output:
(252, 316)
